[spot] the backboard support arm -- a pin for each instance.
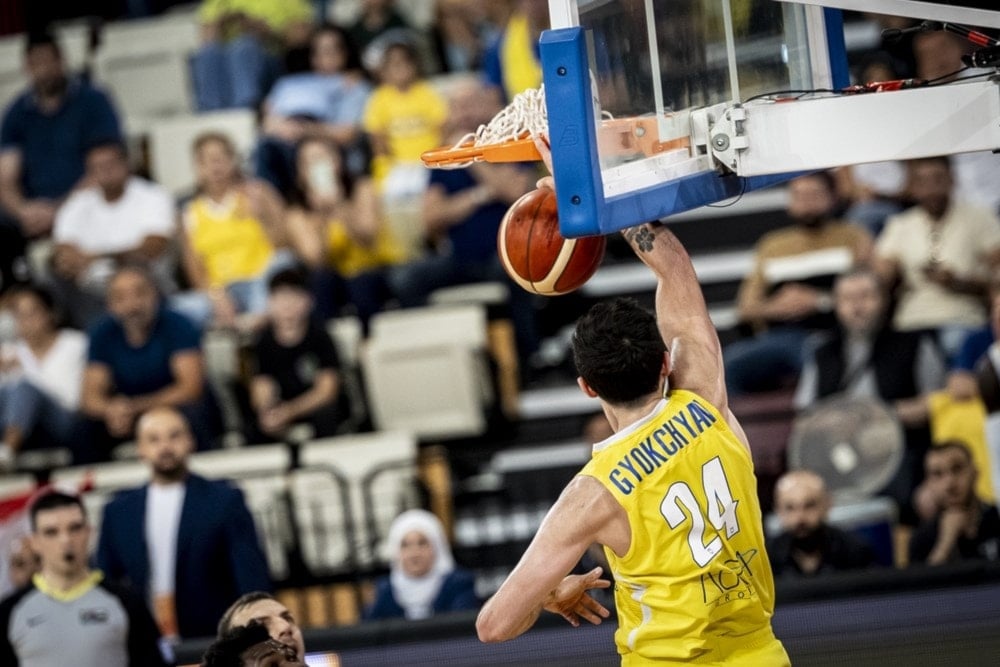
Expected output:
(803, 135)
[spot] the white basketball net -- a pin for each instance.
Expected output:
(526, 114)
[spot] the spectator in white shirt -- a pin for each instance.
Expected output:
(42, 374)
(118, 217)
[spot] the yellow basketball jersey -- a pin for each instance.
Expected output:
(349, 258)
(696, 584)
(228, 239)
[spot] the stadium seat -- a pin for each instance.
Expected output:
(176, 32)
(426, 371)
(347, 335)
(361, 482)
(15, 485)
(147, 87)
(12, 78)
(171, 141)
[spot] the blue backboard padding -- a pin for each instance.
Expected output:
(583, 208)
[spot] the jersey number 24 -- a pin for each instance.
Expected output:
(721, 511)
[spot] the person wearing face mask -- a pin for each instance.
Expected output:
(423, 579)
(807, 544)
(338, 229)
(786, 296)
(250, 646)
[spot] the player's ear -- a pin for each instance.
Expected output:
(665, 370)
(586, 388)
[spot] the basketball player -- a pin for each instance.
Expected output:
(671, 495)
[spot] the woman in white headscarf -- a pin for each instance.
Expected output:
(423, 579)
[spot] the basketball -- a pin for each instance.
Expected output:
(536, 256)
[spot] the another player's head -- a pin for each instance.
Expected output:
(165, 442)
(619, 353)
(260, 608)
(951, 474)
(860, 302)
(801, 503)
(60, 534)
(249, 646)
(812, 199)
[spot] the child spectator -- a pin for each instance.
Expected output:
(229, 236)
(337, 228)
(405, 114)
(296, 363)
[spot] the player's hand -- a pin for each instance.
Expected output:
(542, 144)
(571, 600)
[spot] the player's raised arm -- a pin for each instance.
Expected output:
(681, 314)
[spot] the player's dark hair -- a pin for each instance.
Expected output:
(42, 39)
(951, 446)
(51, 500)
(618, 351)
(242, 602)
(226, 651)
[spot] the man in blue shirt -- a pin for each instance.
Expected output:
(142, 356)
(44, 138)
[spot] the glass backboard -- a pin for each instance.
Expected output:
(629, 85)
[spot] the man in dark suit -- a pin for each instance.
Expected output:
(188, 543)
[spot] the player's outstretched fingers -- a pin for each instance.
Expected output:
(591, 610)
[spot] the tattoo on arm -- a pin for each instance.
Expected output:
(639, 237)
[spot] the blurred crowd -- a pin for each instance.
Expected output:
(331, 214)
(885, 287)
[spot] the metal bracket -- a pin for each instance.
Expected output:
(727, 137)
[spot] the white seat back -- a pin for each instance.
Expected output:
(147, 86)
(171, 143)
(379, 473)
(426, 372)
